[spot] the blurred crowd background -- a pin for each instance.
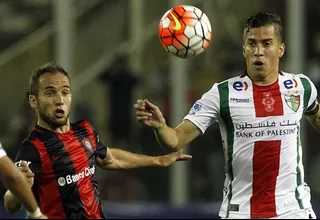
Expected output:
(112, 51)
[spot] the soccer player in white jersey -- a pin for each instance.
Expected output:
(259, 115)
(15, 181)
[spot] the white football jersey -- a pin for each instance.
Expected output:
(260, 129)
(2, 151)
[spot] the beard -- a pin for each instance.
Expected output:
(52, 121)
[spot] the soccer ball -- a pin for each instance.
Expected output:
(185, 31)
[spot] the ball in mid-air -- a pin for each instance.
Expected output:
(185, 31)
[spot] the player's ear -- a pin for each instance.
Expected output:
(33, 101)
(282, 49)
(243, 51)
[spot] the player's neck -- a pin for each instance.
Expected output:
(264, 81)
(59, 129)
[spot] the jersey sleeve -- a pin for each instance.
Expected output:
(29, 153)
(101, 149)
(205, 110)
(2, 151)
(311, 94)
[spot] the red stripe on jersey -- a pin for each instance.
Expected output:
(89, 129)
(267, 100)
(266, 162)
(48, 190)
(80, 162)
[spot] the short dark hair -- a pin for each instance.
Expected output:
(262, 19)
(51, 67)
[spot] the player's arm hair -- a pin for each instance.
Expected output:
(313, 115)
(19, 192)
(174, 139)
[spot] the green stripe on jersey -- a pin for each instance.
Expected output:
(307, 92)
(299, 180)
(225, 115)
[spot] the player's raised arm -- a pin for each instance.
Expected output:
(171, 139)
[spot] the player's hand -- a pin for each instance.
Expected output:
(27, 172)
(169, 159)
(149, 114)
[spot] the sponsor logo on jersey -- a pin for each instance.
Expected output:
(268, 101)
(240, 86)
(293, 101)
(290, 83)
(195, 108)
(87, 144)
(239, 100)
(88, 171)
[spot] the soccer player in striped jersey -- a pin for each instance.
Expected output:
(14, 180)
(63, 155)
(259, 115)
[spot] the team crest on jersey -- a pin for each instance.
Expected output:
(268, 101)
(87, 144)
(293, 101)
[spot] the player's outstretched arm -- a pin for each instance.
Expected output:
(14, 180)
(171, 139)
(121, 159)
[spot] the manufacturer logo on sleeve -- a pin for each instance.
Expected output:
(195, 108)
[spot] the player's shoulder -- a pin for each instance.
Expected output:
(82, 124)
(299, 78)
(28, 143)
(288, 75)
(36, 133)
(216, 86)
(229, 81)
(233, 79)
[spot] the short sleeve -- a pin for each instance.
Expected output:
(101, 149)
(205, 111)
(29, 153)
(311, 92)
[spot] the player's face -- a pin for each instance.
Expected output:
(54, 99)
(262, 50)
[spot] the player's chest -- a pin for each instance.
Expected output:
(266, 102)
(67, 154)
(264, 112)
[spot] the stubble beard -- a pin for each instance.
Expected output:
(52, 121)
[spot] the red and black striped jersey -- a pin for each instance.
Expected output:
(64, 168)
